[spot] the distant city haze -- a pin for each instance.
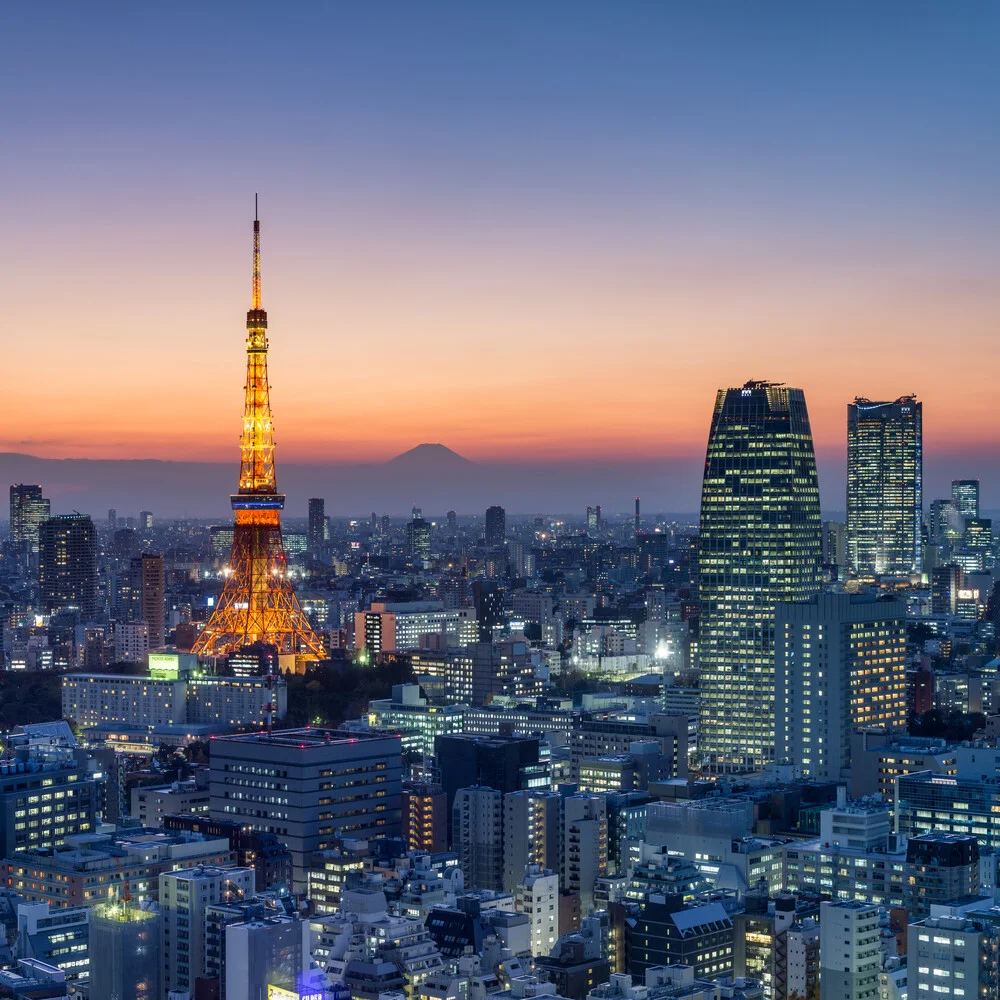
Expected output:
(429, 476)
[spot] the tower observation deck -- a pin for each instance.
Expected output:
(258, 602)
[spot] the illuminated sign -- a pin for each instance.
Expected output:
(968, 595)
(280, 993)
(164, 666)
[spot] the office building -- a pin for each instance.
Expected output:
(184, 896)
(850, 950)
(488, 600)
(840, 664)
(885, 486)
(125, 942)
(316, 524)
(665, 931)
(28, 510)
(67, 564)
(314, 766)
(150, 803)
(940, 868)
(952, 954)
(418, 723)
(759, 543)
(174, 697)
(496, 527)
(418, 537)
(945, 523)
(58, 937)
(504, 763)
(398, 626)
(98, 869)
(593, 519)
(928, 802)
(965, 496)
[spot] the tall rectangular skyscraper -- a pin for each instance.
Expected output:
(28, 509)
(965, 495)
(760, 543)
(317, 516)
(884, 486)
(496, 527)
(67, 564)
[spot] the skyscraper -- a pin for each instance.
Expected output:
(315, 529)
(884, 486)
(67, 564)
(496, 527)
(151, 597)
(418, 536)
(759, 544)
(28, 509)
(965, 494)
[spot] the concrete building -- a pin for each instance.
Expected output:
(940, 868)
(419, 722)
(94, 869)
(58, 937)
(675, 733)
(537, 895)
(67, 564)
(265, 952)
(150, 803)
(850, 950)
(184, 896)
(927, 802)
(425, 817)
(477, 836)
(585, 846)
(840, 664)
(532, 825)
(399, 626)
(332, 784)
(94, 700)
(952, 955)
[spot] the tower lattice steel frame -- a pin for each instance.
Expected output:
(258, 603)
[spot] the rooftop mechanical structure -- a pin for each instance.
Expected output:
(258, 602)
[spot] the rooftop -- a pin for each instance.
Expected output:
(302, 739)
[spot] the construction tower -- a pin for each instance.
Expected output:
(258, 603)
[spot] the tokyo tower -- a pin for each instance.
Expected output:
(258, 603)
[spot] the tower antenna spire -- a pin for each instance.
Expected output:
(256, 256)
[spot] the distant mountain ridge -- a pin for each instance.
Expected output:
(430, 475)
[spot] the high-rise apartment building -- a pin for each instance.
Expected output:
(67, 564)
(840, 663)
(759, 544)
(477, 835)
(585, 845)
(885, 486)
(849, 952)
(316, 529)
(965, 496)
(184, 896)
(496, 527)
(28, 509)
(152, 591)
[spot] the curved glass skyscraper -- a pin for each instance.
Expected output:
(760, 543)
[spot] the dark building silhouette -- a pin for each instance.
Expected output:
(67, 564)
(496, 527)
(317, 519)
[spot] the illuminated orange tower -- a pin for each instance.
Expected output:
(258, 603)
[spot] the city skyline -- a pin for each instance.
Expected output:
(539, 268)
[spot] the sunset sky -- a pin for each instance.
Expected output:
(528, 231)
